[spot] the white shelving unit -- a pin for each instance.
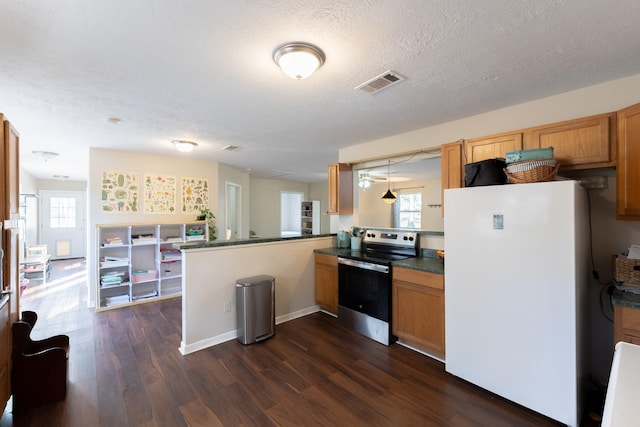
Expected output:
(310, 217)
(137, 263)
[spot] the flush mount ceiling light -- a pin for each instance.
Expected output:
(184, 146)
(389, 197)
(45, 155)
(298, 60)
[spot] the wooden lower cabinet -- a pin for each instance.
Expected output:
(626, 324)
(326, 278)
(418, 310)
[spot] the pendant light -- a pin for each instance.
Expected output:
(388, 196)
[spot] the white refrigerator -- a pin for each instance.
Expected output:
(516, 274)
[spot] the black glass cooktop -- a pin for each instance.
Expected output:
(376, 256)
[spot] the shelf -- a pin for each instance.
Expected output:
(144, 242)
(117, 285)
(310, 217)
(112, 264)
(140, 248)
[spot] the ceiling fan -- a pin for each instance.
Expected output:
(366, 179)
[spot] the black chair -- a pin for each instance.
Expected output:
(40, 367)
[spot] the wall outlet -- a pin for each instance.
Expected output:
(227, 306)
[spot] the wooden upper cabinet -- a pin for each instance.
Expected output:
(628, 164)
(451, 165)
(451, 168)
(340, 179)
(11, 169)
(577, 144)
(491, 147)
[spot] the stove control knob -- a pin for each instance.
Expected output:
(372, 235)
(405, 238)
(411, 238)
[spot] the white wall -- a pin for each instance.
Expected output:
(32, 186)
(602, 98)
(290, 205)
(210, 274)
(265, 203)
(228, 174)
(180, 166)
(320, 191)
(61, 185)
(30, 234)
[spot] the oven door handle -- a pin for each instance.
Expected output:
(364, 265)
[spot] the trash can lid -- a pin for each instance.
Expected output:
(255, 280)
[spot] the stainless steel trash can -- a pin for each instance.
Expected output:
(255, 308)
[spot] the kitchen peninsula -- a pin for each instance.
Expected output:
(210, 271)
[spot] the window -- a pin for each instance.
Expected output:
(62, 212)
(408, 210)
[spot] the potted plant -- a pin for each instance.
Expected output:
(207, 215)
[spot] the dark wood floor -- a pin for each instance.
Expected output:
(125, 370)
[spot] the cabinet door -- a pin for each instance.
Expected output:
(628, 164)
(451, 164)
(577, 144)
(492, 147)
(418, 310)
(451, 167)
(340, 182)
(626, 324)
(326, 277)
(11, 242)
(12, 168)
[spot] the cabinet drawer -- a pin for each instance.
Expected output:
(417, 277)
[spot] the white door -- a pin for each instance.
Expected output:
(290, 205)
(62, 223)
(233, 203)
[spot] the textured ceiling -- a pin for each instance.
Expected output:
(202, 70)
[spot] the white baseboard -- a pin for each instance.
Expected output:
(230, 335)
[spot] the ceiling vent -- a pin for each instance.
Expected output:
(383, 81)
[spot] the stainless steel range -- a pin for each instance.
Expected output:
(364, 282)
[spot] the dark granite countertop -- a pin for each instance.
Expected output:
(428, 262)
(626, 299)
(424, 263)
(220, 243)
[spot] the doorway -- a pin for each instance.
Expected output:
(62, 223)
(233, 214)
(290, 220)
